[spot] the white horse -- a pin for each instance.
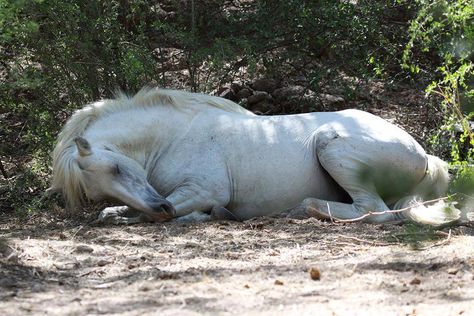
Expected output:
(212, 158)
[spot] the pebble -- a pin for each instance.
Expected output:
(84, 249)
(315, 274)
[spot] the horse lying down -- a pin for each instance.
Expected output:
(177, 155)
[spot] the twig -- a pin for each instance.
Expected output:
(443, 242)
(2, 170)
(77, 231)
(20, 132)
(329, 212)
(359, 240)
(358, 219)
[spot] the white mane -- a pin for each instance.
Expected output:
(67, 175)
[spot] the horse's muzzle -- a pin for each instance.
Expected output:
(163, 210)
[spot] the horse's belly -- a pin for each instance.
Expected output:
(280, 184)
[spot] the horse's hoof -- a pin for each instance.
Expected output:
(112, 215)
(194, 217)
(299, 212)
(221, 213)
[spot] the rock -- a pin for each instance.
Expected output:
(267, 85)
(83, 249)
(102, 262)
(331, 100)
(37, 287)
(263, 107)
(236, 87)
(5, 249)
(415, 281)
(244, 93)
(285, 93)
(278, 282)
(257, 97)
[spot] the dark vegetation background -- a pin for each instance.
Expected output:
(270, 56)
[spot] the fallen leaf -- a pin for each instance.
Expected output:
(415, 281)
(453, 270)
(315, 274)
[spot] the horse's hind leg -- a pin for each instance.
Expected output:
(345, 163)
(322, 209)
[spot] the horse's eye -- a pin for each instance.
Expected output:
(117, 170)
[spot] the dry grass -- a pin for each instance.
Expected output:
(257, 267)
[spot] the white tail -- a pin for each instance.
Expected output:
(433, 185)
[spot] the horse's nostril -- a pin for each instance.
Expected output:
(161, 205)
(168, 208)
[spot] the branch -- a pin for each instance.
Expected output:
(2, 170)
(358, 219)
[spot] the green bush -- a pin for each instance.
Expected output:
(444, 30)
(58, 55)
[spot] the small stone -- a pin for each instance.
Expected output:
(315, 274)
(285, 93)
(453, 271)
(84, 249)
(267, 85)
(144, 288)
(37, 287)
(235, 87)
(102, 262)
(331, 100)
(278, 282)
(246, 286)
(263, 107)
(244, 93)
(415, 281)
(257, 97)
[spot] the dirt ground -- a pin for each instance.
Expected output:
(258, 267)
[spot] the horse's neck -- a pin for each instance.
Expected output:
(139, 134)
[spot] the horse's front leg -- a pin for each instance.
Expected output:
(216, 213)
(115, 215)
(191, 201)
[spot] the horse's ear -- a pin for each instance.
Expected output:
(52, 190)
(83, 146)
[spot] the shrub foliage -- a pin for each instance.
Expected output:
(58, 55)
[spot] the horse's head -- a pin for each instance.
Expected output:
(111, 175)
